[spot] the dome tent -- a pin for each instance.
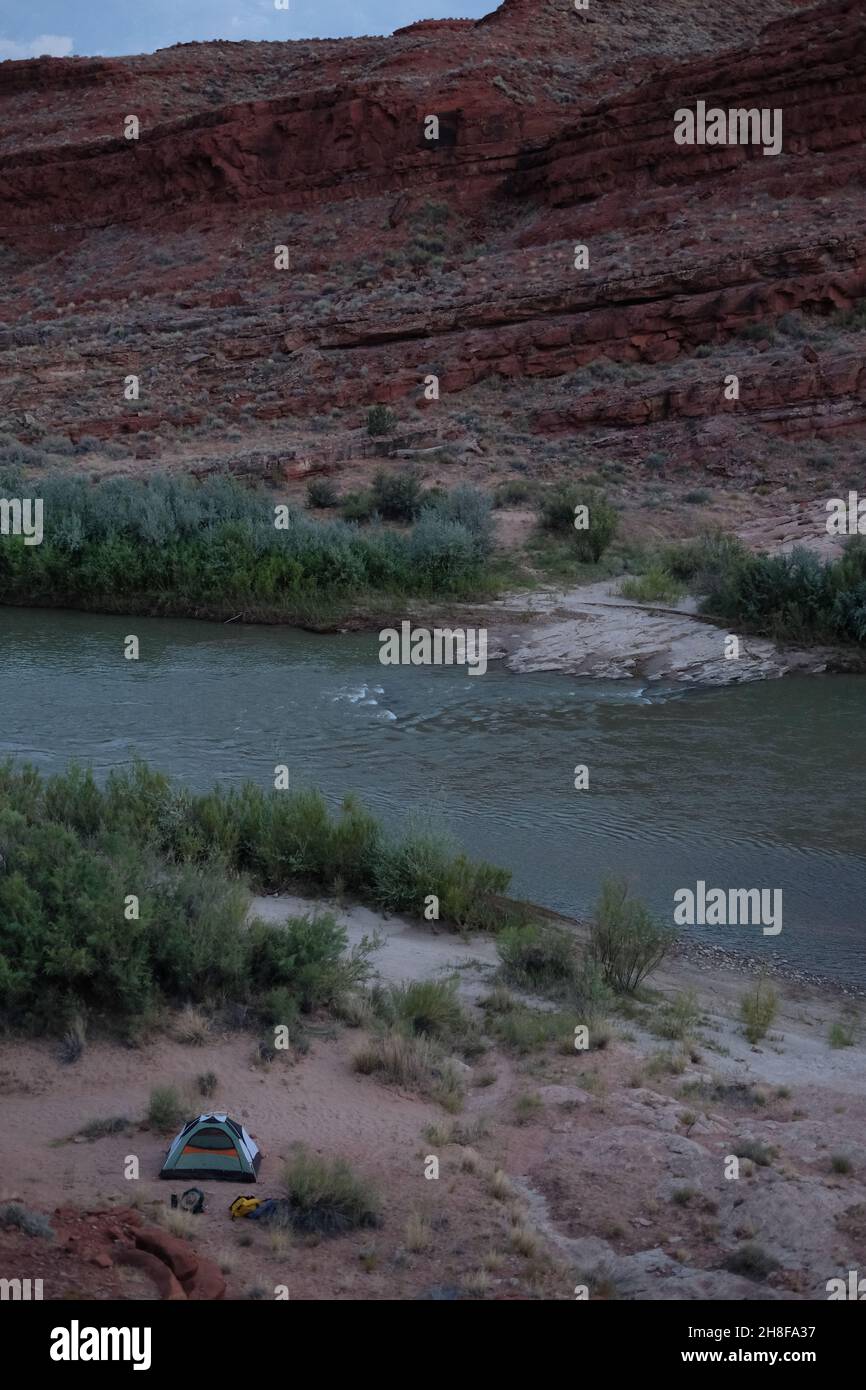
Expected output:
(213, 1146)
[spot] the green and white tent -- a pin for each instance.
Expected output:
(213, 1146)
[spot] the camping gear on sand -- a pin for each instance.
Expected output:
(242, 1206)
(192, 1200)
(260, 1209)
(213, 1146)
(268, 1209)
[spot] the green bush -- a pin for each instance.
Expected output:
(515, 491)
(679, 1018)
(166, 544)
(414, 1063)
(752, 1261)
(164, 1111)
(467, 507)
(841, 1034)
(656, 586)
(14, 1216)
(557, 510)
(67, 954)
(699, 563)
(357, 506)
(427, 1008)
(536, 957)
(397, 496)
(322, 493)
(525, 1030)
(793, 597)
(380, 420)
(325, 1196)
(424, 862)
(306, 954)
(625, 939)
(757, 1011)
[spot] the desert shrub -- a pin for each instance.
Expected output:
(467, 507)
(308, 956)
(854, 318)
(165, 1110)
(752, 1261)
(794, 597)
(536, 957)
(58, 444)
(356, 839)
(397, 496)
(424, 861)
(322, 493)
(101, 1129)
(177, 1222)
(758, 1153)
(326, 1196)
(656, 586)
(380, 420)
(207, 1083)
(679, 1018)
(357, 506)
(414, 1063)
(527, 1107)
(514, 492)
(757, 1011)
(700, 562)
(14, 1216)
(442, 553)
(625, 939)
(427, 1008)
(192, 1026)
(526, 1030)
(557, 512)
(757, 332)
(841, 1034)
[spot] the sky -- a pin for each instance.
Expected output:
(29, 28)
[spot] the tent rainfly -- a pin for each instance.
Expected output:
(213, 1146)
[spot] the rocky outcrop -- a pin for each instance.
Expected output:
(453, 257)
(811, 68)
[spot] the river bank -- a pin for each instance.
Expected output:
(609, 1167)
(591, 630)
(685, 782)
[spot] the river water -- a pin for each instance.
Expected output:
(757, 786)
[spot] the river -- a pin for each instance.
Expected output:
(760, 785)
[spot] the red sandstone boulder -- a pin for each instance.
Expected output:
(159, 1274)
(177, 1254)
(206, 1283)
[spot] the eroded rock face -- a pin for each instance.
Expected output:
(453, 256)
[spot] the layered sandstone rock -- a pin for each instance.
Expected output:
(454, 257)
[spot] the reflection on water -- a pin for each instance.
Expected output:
(762, 785)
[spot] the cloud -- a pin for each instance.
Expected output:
(57, 45)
